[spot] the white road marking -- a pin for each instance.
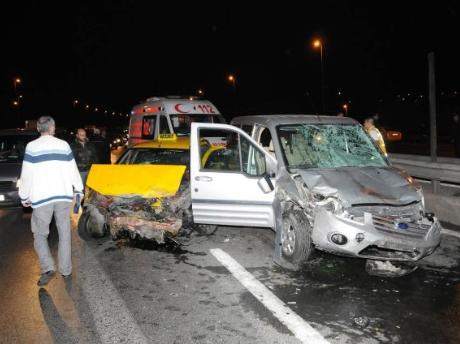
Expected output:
(450, 232)
(297, 325)
(112, 319)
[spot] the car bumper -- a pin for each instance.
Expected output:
(368, 239)
(9, 198)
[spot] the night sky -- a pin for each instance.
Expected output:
(112, 54)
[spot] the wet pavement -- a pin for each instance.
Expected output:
(189, 297)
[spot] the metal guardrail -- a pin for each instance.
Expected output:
(445, 170)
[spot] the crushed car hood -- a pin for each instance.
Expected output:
(151, 181)
(363, 185)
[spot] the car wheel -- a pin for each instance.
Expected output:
(296, 243)
(83, 225)
(89, 227)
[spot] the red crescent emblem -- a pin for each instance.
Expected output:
(178, 108)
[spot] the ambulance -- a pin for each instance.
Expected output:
(169, 115)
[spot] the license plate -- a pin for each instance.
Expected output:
(2, 198)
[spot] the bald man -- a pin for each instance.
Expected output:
(84, 153)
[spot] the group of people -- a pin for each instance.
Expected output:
(52, 178)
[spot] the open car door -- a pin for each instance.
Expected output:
(231, 184)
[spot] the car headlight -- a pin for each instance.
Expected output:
(332, 204)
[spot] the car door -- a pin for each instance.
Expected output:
(231, 186)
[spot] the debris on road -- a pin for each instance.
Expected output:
(389, 269)
(361, 321)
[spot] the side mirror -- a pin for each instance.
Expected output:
(266, 184)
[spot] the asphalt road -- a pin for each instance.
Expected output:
(125, 294)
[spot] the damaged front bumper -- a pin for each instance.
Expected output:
(138, 217)
(376, 237)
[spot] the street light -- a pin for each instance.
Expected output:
(200, 92)
(232, 80)
(16, 81)
(317, 43)
(345, 108)
(15, 103)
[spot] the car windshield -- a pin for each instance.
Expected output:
(12, 147)
(138, 156)
(181, 122)
(328, 146)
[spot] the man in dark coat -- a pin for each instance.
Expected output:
(84, 153)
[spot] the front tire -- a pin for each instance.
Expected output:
(296, 244)
(88, 227)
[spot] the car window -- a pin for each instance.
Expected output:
(223, 160)
(160, 157)
(182, 122)
(328, 146)
(164, 128)
(12, 147)
(148, 127)
(237, 155)
(127, 156)
(153, 156)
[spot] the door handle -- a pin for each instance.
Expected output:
(203, 179)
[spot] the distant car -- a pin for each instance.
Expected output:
(391, 135)
(12, 147)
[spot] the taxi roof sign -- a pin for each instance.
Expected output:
(167, 137)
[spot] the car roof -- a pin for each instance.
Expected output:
(181, 142)
(279, 119)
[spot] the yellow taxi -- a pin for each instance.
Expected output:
(156, 171)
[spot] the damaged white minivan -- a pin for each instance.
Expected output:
(319, 182)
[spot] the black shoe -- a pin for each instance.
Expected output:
(45, 278)
(69, 276)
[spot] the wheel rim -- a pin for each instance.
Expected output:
(288, 238)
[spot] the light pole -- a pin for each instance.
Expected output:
(317, 43)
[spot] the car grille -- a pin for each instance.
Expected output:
(387, 219)
(6, 185)
(391, 225)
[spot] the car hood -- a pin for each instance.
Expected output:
(363, 185)
(10, 171)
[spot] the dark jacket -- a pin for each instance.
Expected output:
(85, 155)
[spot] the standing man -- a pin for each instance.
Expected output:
(49, 182)
(375, 134)
(84, 152)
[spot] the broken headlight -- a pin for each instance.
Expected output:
(331, 204)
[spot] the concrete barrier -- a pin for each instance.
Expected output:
(446, 208)
(447, 170)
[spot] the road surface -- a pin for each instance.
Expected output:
(221, 288)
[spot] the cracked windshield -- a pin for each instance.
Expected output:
(328, 146)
